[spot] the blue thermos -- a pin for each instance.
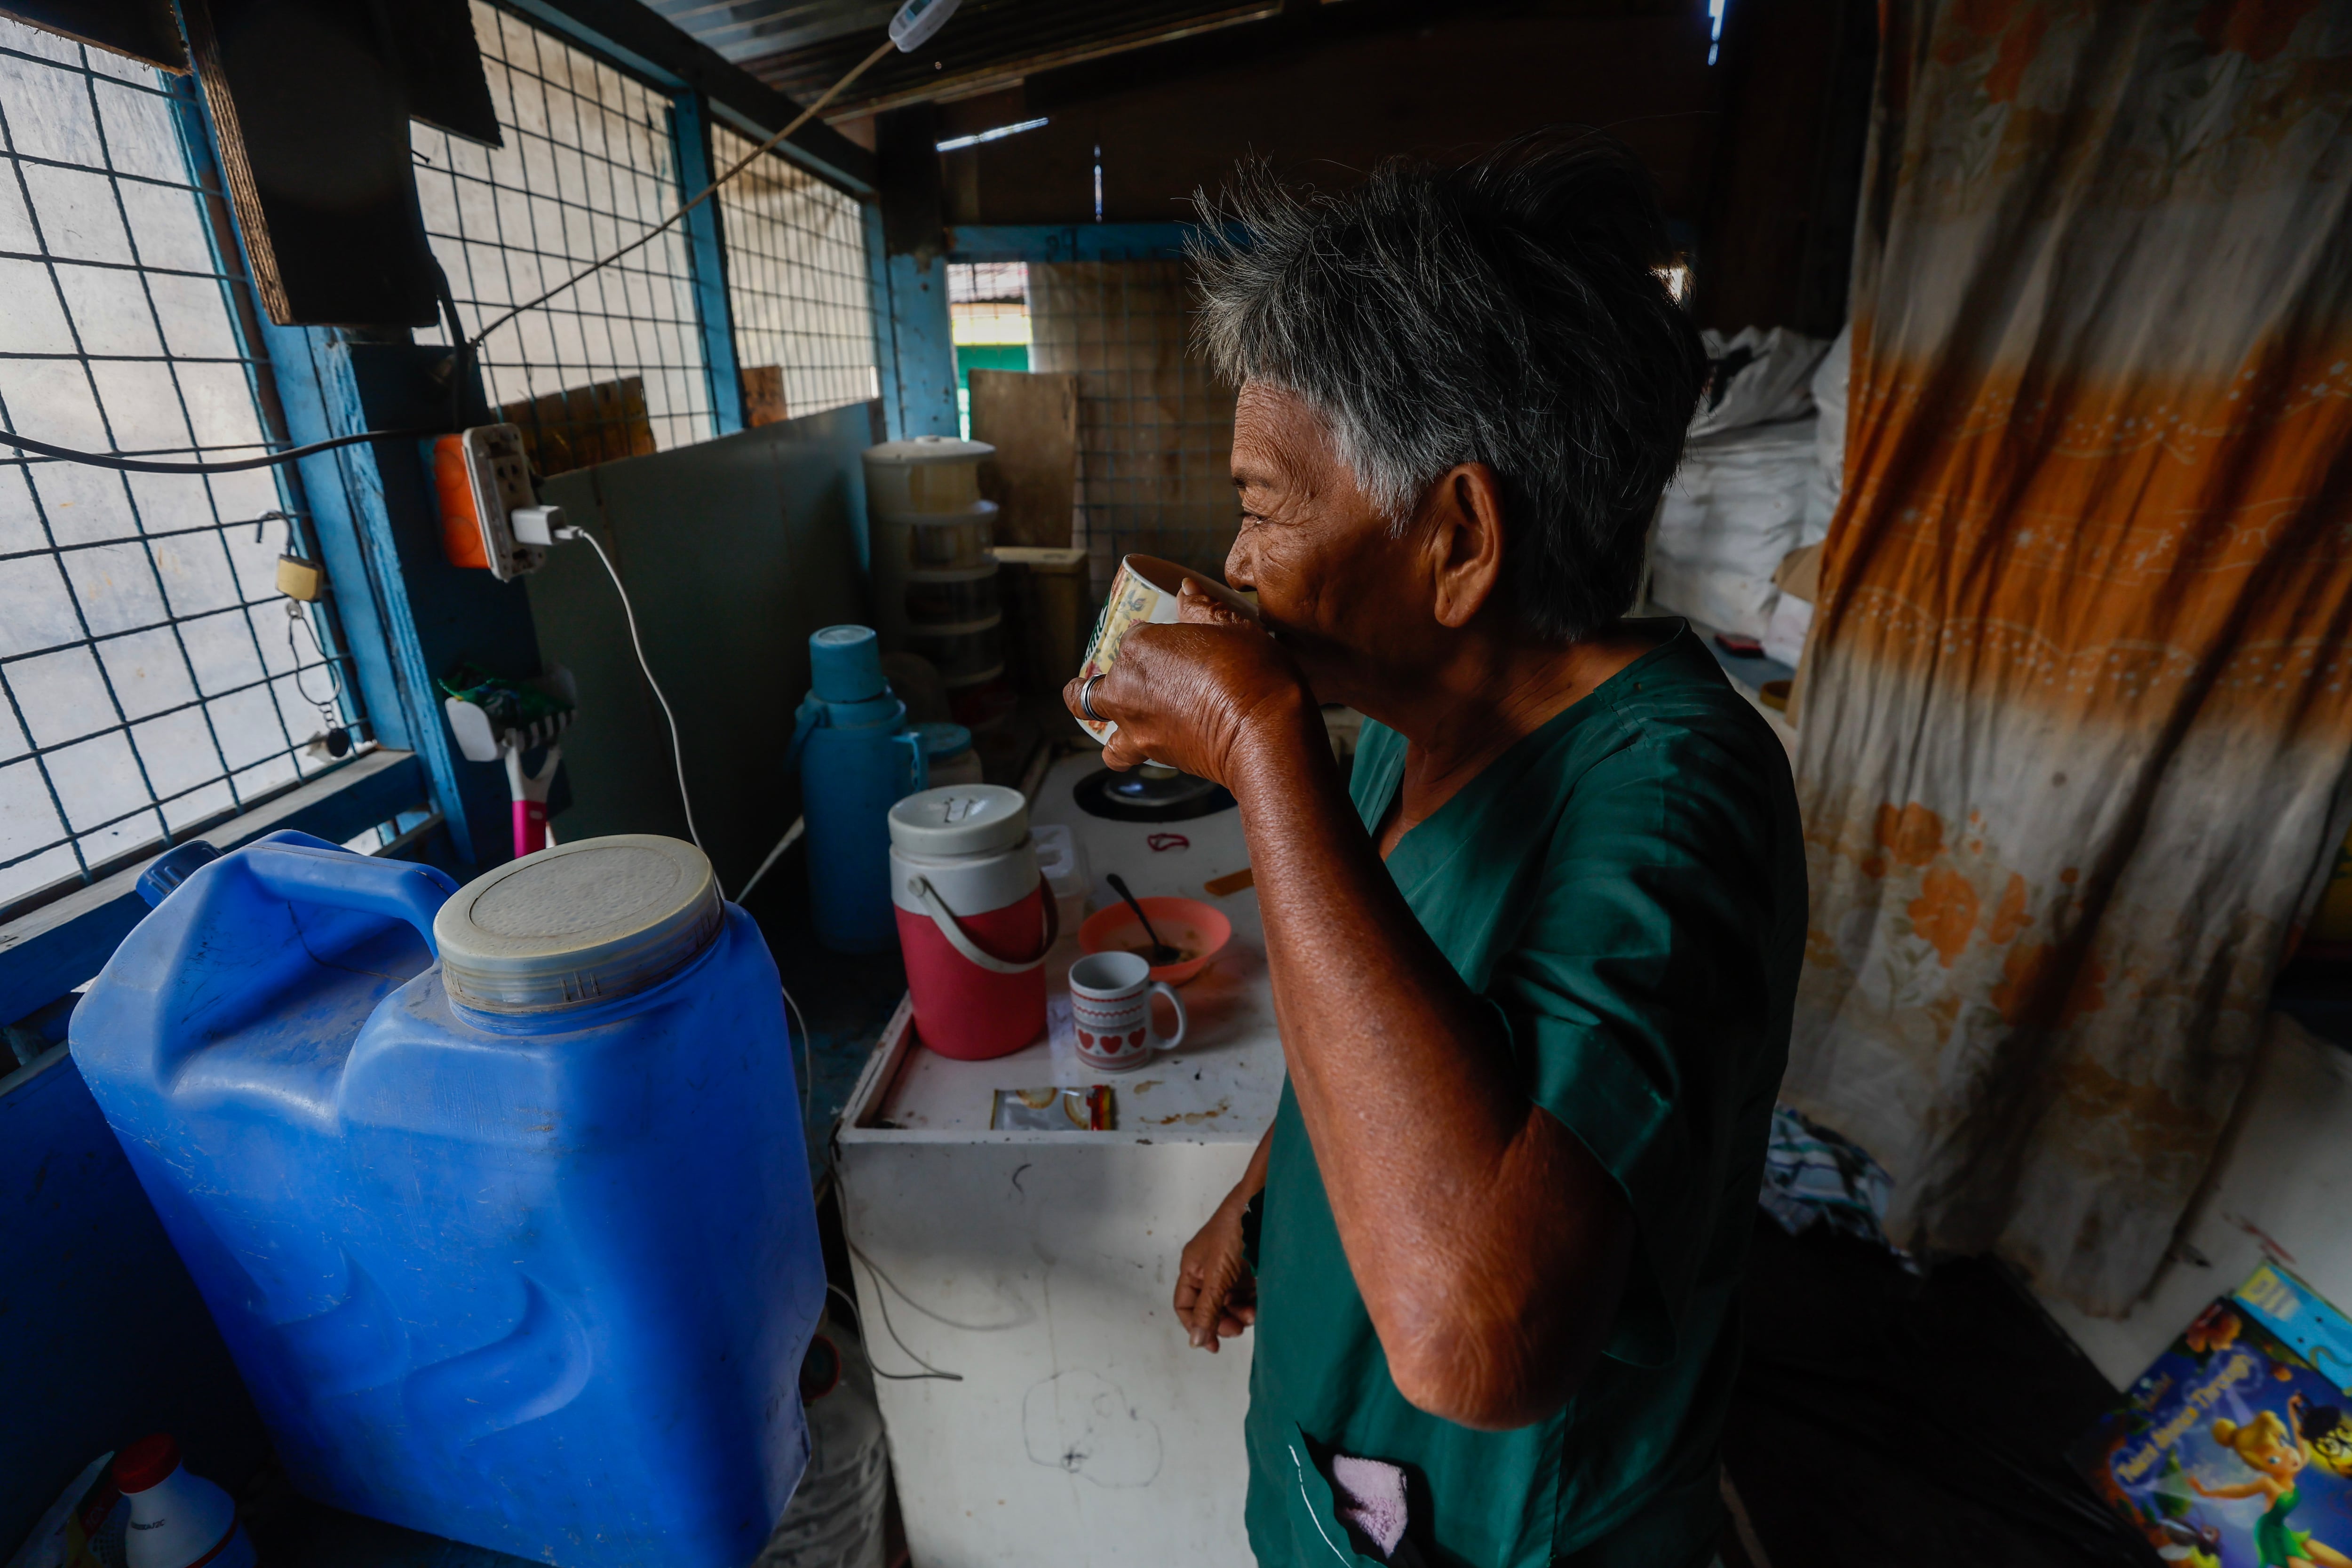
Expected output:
(857, 758)
(498, 1195)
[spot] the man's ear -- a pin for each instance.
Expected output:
(1463, 520)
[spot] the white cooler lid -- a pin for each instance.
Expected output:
(960, 819)
(929, 450)
(577, 924)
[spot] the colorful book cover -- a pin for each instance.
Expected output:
(2232, 1451)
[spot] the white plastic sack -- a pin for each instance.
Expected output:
(1829, 440)
(1784, 635)
(836, 1517)
(1734, 509)
(1761, 378)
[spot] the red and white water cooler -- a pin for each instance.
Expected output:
(975, 919)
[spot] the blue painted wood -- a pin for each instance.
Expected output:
(923, 346)
(378, 562)
(1073, 242)
(886, 350)
(705, 256)
(108, 1339)
(408, 614)
(452, 615)
(49, 952)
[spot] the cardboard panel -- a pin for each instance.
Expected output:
(1031, 420)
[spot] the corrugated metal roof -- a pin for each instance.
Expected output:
(801, 47)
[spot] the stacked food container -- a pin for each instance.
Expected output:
(935, 582)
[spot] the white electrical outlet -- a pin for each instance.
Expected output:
(499, 477)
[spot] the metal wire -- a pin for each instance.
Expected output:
(797, 283)
(139, 695)
(1155, 425)
(128, 465)
(588, 163)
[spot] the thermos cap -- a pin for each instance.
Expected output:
(960, 819)
(845, 664)
(577, 924)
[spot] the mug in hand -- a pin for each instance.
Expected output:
(1143, 594)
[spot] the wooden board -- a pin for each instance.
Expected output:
(763, 395)
(1031, 420)
(309, 115)
(144, 29)
(584, 425)
(441, 77)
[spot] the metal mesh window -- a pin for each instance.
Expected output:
(151, 679)
(614, 365)
(1155, 426)
(796, 282)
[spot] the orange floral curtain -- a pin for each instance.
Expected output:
(2075, 722)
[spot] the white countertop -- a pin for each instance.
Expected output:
(1221, 1086)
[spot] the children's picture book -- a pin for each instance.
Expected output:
(2234, 1450)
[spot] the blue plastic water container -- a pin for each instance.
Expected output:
(857, 758)
(515, 1246)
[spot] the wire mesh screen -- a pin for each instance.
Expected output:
(1155, 427)
(797, 285)
(151, 679)
(613, 366)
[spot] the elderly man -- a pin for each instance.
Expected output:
(1534, 966)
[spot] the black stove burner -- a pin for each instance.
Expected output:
(1160, 796)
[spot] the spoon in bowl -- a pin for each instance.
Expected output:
(1160, 952)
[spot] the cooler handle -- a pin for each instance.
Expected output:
(401, 890)
(972, 951)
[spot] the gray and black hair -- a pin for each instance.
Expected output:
(1511, 312)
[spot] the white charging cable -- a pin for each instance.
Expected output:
(792, 837)
(676, 753)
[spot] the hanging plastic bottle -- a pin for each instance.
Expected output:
(177, 1520)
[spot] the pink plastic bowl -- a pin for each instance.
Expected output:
(1185, 923)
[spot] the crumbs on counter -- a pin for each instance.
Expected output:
(1195, 1118)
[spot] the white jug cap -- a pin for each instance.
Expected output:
(960, 819)
(577, 924)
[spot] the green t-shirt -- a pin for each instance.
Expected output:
(1627, 887)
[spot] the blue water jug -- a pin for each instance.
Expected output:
(857, 758)
(514, 1247)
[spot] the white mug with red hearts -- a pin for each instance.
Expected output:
(1110, 1002)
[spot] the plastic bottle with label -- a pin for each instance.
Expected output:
(177, 1520)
